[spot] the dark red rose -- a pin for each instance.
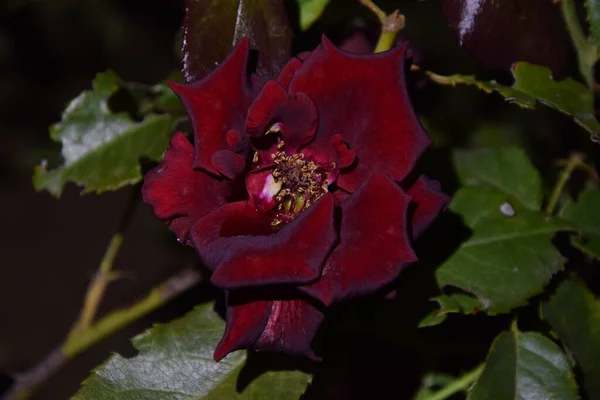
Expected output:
(297, 192)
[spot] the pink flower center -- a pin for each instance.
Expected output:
(296, 182)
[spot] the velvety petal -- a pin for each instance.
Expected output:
(263, 198)
(232, 220)
(228, 163)
(295, 115)
(282, 325)
(178, 194)
(294, 254)
(345, 156)
(291, 328)
(357, 43)
(428, 202)
(287, 73)
(364, 98)
(217, 104)
(245, 324)
(374, 242)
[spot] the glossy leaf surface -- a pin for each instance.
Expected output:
(175, 362)
(534, 83)
(509, 257)
(525, 365)
(101, 149)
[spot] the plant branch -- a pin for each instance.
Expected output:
(462, 383)
(390, 25)
(27, 382)
(103, 276)
(587, 52)
(574, 161)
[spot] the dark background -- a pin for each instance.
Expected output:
(50, 51)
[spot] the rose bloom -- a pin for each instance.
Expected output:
(297, 192)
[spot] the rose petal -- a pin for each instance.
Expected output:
(345, 156)
(428, 201)
(284, 325)
(291, 328)
(263, 198)
(296, 114)
(179, 195)
(232, 220)
(228, 163)
(374, 242)
(294, 254)
(217, 104)
(363, 98)
(287, 73)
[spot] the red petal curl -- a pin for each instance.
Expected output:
(284, 325)
(217, 104)
(363, 98)
(428, 202)
(294, 254)
(179, 195)
(374, 242)
(297, 115)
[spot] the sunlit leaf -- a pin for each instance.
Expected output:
(509, 256)
(534, 83)
(175, 362)
(506, 169)
(310, 11)
(525, 365)
(101, 149)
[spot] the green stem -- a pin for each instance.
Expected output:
(103, 276)
(385, 42)
(114, 321)
(587, 52)
(462, 383)
(390, 26)
(572, 163)
(26, 383)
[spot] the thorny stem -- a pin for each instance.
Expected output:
(462, 383)
(390, 25)
(574, 161)
(27, 382)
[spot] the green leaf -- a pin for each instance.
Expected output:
(310, 11)
(175, 362)
(101, 150)
(509, 257)
(585, 215)
(506, 168)
(574, 313)
(212, 28)
(453, 303)
(525, 365)
(534, 83)
(593, 15)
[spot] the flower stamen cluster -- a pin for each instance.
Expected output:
(301, 183)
